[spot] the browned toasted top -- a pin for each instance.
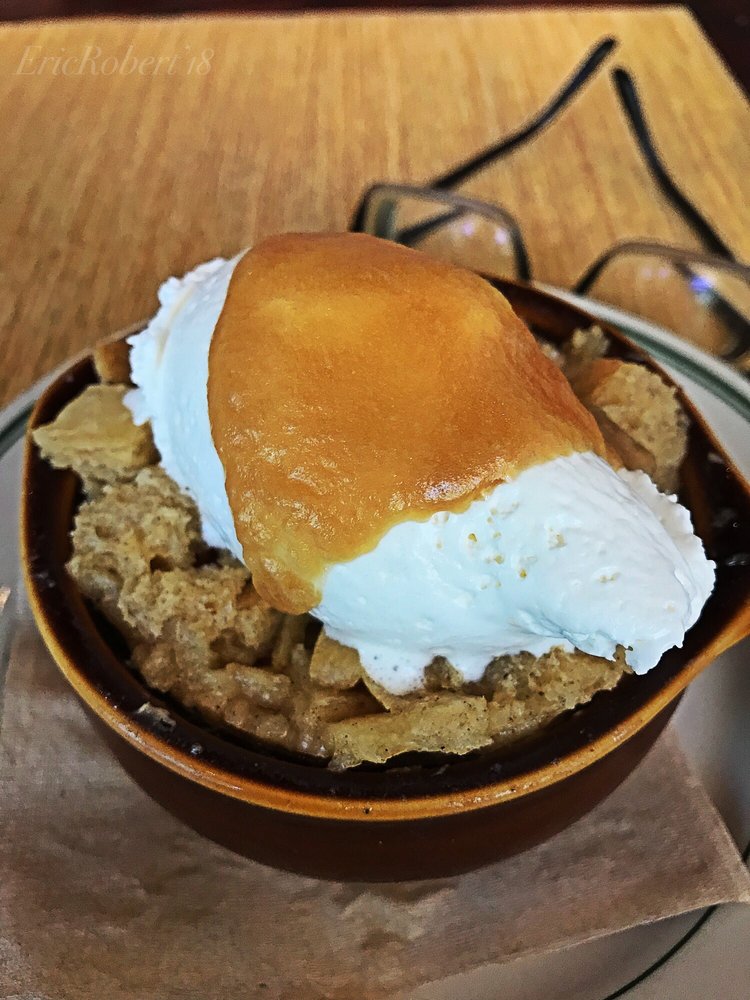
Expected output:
(354, 383)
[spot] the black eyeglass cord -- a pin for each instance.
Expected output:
(578, 78)
(569, 89)
(631, 105)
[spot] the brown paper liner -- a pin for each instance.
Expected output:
(105, 895)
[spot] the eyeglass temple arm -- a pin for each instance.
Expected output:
(631, 105)
(555, 105)
(734, 320)
(569, 89)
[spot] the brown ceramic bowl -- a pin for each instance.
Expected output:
(413, 818)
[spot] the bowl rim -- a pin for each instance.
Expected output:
(398, 807)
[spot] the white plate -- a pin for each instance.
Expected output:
(694, 957)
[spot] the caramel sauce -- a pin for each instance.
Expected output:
(353, 384)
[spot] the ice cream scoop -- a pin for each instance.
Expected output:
(379, 438)
(569, 553)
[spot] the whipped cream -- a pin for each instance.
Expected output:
(169, 365)
(570, 553)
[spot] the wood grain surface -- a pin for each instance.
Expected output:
(726, 22)
(113, 179)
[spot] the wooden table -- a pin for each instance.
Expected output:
(726, 22)
(112, 182)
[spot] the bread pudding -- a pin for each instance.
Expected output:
(236, 583)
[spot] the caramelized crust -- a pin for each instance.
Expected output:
(354, 384)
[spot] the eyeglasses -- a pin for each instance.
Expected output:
(702, 295)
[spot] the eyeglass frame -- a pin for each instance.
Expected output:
(439, 190)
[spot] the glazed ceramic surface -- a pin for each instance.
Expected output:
(684, 958)
(411, 818)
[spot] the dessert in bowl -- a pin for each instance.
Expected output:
(390, 595)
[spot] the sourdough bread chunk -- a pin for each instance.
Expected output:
(645, 408)
(112, 361)
(129, 530)
(95, 435)
(526, 691)
(189, 608)
(334, 665)
(581, 348)
(433, 723)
